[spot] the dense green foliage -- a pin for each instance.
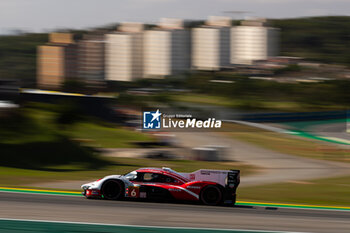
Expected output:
(18, 56)
(26, 142)
(325, 39)
(328, 94)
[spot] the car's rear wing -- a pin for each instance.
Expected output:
(227, 178)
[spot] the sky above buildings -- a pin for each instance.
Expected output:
(47, 15)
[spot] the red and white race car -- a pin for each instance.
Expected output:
(211, 187)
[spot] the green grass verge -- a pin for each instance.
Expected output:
(16, 177)
(331, 191)
(249, 103)
(106, 137)
(288, 144)
(305, 125)
(203, 99)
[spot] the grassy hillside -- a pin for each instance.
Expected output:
(33, 138)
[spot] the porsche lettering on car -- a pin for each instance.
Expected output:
(210, 187)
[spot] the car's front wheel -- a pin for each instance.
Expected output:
(211, 195)
(112, 189)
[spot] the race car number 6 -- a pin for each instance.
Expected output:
(133, 193)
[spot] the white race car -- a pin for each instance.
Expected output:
(211, 187)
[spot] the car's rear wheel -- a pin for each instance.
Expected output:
(211, 195)
(112, 189)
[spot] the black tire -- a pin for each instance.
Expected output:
(112, 190)
(211, 195)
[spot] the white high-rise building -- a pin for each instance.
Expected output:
(253, 40)
(211, 44)
(124, 53)
(167, 49)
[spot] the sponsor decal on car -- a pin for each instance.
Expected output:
(175, 190)
(208, 172)
(192, 176)
(143, 195)
(193, 187)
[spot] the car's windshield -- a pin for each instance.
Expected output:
(131, 176)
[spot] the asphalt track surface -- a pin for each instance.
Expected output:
(79, 209)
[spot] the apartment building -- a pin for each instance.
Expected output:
(167, 49)
(253, 40)
(124, 53)
(211, 44)
(91, 60)
(56, 61)
(132, 53)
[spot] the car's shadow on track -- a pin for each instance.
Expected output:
(186, 203)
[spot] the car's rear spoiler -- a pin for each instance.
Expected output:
(227, 178)
(233, 179)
